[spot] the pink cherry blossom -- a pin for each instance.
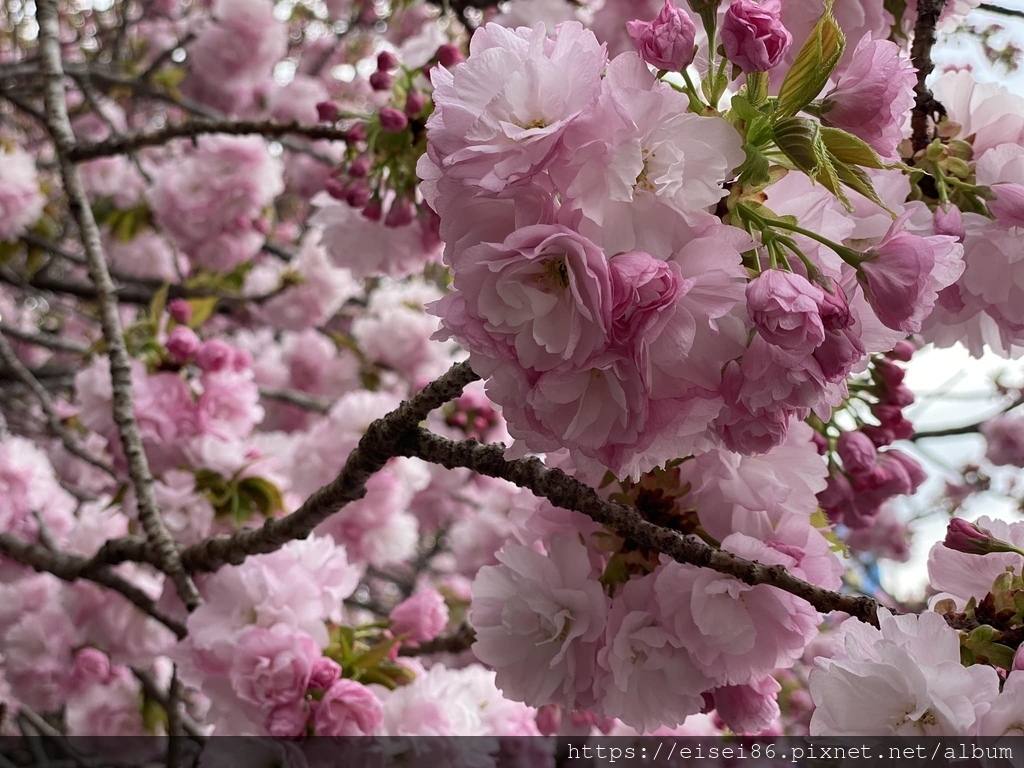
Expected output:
(873, 95)
(272, 666)
(784, 307)
(666, 42)
(421, 617)
(1004, 436)
(21, 199)
(754, 36)
(499, 116)
(348, 708)
(539, 622)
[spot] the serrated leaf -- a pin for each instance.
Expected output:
(856, 179)
(850, 149)
(813, 64)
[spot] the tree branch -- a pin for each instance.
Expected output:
(297, 398)
(1012, 12)
(59, 123)
(925, 106)
(376, 447)
(568, 493)
(123, 144)
(68, 567)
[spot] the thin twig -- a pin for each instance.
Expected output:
(119, 145)
(300, 399)
(43, 339)
(460, 640)
(568, 493)
(968, 429)
(70, 441)
(1001, 11)
(59, 123)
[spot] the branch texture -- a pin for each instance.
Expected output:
(568, 493)
(928, 12)
(59, 123)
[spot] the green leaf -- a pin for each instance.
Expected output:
(847, 148)
(858, 180)
(262, 495)
(743, 109)
(813, 65)
(202, 310)
(984, 648)
(800, 141)
(375, 654)
(754, 171)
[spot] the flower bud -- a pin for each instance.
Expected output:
(448, 55)
(180, 311)
(666, 42)
(1018, 660)
(356, 133)
(421, 617)
(753, 35)
(359, 168)
(962, 536)
(386, 61)
(392, 120)
(358, 195)
(857, 452)
(949, 221)
(835, 310)
(324, 673)
(784, 307)
(372, 211)
(401, 213)
(549, 719)
(214, 356)
(414, 103)
(903, 351)
(328, 112)
(182, 344)
(381, 81)
(336, 188)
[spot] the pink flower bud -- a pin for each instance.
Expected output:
(549, 719)
(241, 360)
(784, 307)
(359, 168)
(753, 35)
(666, 42)
(835, 310)
(288, 720)
(356, 133)
(372, 211)
(381, 81)
(1008, 207)
(820, 442)
(336, 188)
(891, 375)
(448, 55)
(214, 356)
(420, 618)
(358, 195)
(348, 709)
(972, 539)
(949, 221)
(91, 666)
(328, 112)
(324, 673)
(386, 61)
(1018, 660)
(401, 213)
(898, 395)
(414, 103)
(880, 436)
(393, 120)
(182, 344)
(857, 452)
(903, 351)
(180, 311)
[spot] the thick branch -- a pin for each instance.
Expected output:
(59, 124)
(928, 12)
(376, 447)
(119, 145)
(71, 443)
(568, 493)
(68, 567)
